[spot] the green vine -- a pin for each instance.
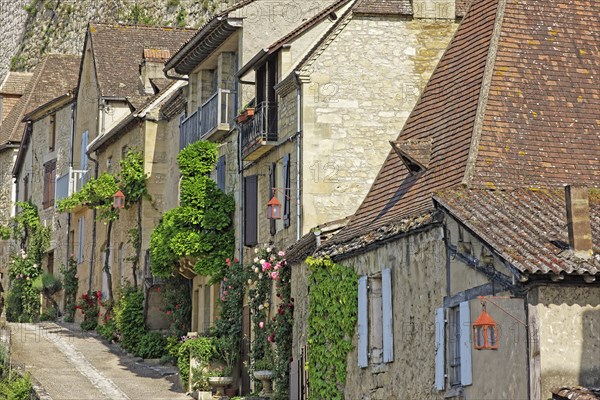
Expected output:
(200, 230)
(332, 317)
(71, 284)
(23, 299)
(200, 348)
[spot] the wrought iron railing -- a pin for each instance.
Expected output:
(260, 128)
(213, 112)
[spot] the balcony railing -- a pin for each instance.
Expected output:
(70, 183)
(212, 116)
(260, 132)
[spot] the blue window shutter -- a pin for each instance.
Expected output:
(466, 373)
(84, 143)
(287, 190)
(272, 193)
(363, 323)
(387, 315)
(440, 349)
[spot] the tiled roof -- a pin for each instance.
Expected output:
(461, 7)
(15, 83)
(513, 102)
(54, 76)
(527, 227)
(445, 114)
(119, 51)
(384, 7)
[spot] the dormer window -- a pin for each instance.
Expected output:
(415, 154)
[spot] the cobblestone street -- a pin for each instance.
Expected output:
(72, 364)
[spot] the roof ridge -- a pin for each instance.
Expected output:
(484, 93)
(142, 26)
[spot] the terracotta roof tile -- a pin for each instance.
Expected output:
(445, 114)
(54, 76)
(528, 228)
(514, 102)
(575, 393)
(385, 7)
(15, 83)
(119, 50)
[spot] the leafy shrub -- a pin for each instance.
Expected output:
(90, 308)
(177, 305)
(16, 387)
(108, 330)
(201, 348)
(151, 345)
(48, 315)
(130, 318)
(71, 283)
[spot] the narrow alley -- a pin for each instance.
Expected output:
(73, 364)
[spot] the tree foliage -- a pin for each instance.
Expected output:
(200, 228)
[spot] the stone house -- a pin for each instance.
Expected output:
(143, 130)
(116, 79)
(207, 106)
(321, 117)
(468, 214)
(31, 160)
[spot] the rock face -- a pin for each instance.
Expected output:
(32, 28)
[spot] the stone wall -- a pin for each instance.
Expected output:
(419, 282)
(569, 349)
(12, 26)
(352, 110)
(59, 26)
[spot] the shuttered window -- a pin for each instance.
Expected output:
(287, 191)
(375, 319)
(440, 349)
(363, 322)
(49, 181)
(221, 173)
(466, 373)
(272, 192)
(251, 210)
(387, 315)
(84, 143)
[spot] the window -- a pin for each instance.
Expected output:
(221, 173)
(52, 133)
(49, 180)
(80, 236)
(453, 346)
(279, 178)
(50, 262)
(26, 188)
(375, 319)
(251, 210)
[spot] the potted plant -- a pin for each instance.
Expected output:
(219, 378)
(245, 114)
(264, 373)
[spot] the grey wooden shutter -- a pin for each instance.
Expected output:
(272, 192)
(221, 173)
(466, 373)
(387, 315)
(363, 323)
(440, 330)
(84, 143)
(251, 210)
(287, 190)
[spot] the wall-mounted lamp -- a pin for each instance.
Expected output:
(119, 200)
(485, 331)
(274, 208)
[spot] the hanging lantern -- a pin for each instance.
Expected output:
(119, 200)
(485, 332)
(274, 208)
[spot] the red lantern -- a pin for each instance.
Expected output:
(485, 332)
(119, 200)
(274, 208)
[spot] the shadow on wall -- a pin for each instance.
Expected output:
(589, 375)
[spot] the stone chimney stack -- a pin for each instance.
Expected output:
(152, 67)
(578, 221)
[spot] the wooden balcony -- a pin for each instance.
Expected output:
(259, 133)
(211, 121)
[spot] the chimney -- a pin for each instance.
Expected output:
(152, 67)
(578, 221)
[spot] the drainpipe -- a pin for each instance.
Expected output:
(241, 198)
(298, 155)
(93, 252)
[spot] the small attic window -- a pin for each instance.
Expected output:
(332, 16)
(415, 154)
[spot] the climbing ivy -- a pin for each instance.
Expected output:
(200, 229)
(23, 299)
(332, 316)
